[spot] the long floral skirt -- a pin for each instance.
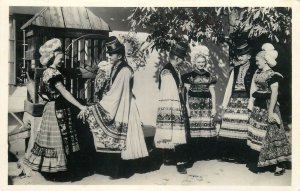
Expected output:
(171, 125)
(117, 137)
(268, 139)
(55, 139)
(201, 121)
(235, 122)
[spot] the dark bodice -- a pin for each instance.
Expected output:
(48, 91)
(200, 82)
(264, 80)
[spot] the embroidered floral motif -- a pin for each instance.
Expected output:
(108, 134)
(268, 138)
(200, 103)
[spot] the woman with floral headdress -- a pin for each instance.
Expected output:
(201, 100)
(56, 139)
(266, 134)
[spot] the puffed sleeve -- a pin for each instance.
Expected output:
(213, 79)
(55, 79)
(186, 78)
(276, 77)
(52, 77)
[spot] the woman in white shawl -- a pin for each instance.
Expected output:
(114, 120)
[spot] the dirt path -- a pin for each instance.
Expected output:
(202, 173)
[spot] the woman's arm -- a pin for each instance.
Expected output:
(273, 101)
(213, 99)
(68, 96)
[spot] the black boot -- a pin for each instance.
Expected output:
(181, 168)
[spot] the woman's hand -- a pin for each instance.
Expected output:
(271, 118)
(213, 112)
(82, 113)
(250, 105)
(83, 108)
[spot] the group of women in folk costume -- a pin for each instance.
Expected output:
(187, 106)
(251, 120)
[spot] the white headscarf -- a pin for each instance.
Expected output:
(199, 51)
(269, 54)
(48, 49)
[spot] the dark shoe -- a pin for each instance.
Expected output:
(225, 159)
(113, 178)
(168, 162)
(253, 168)
(75, 177)
(280, 172)
(189, 163)
(181, 168)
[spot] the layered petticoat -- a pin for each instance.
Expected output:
(49, 151)
(201, 121)
(235, 122)
(269, 139)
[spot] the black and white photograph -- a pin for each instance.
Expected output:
(149, 95)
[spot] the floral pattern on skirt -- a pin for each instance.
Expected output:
(269, 139)
(235, 122)
(201, 122)
(54, 141)
(171, 126)
(109, 135)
